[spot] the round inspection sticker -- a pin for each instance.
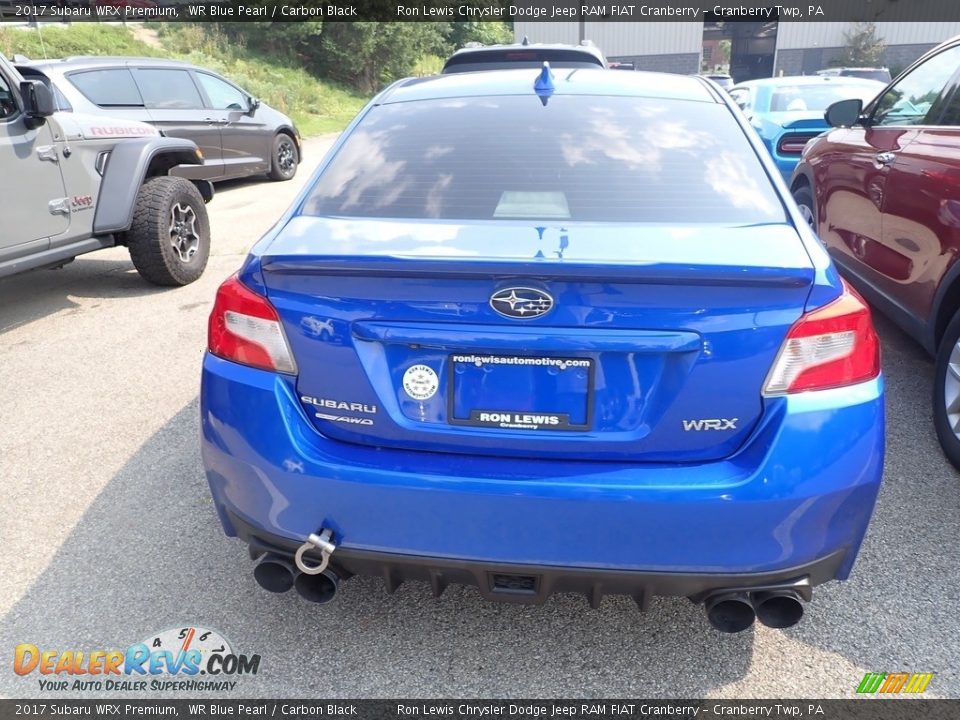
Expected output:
(420, 382)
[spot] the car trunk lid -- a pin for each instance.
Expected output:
(643, 354)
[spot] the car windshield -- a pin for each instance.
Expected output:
(816, 97)
(617, 159)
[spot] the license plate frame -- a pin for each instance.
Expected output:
(517, 421)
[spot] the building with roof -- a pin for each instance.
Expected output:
(756, 49)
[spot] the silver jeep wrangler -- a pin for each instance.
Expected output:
(73, 183)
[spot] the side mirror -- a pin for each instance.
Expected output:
(37, 99)
(254, 103)
(844, 113)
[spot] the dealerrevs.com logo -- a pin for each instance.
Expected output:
(184, 659)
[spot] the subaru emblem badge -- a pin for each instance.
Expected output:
(521, 303)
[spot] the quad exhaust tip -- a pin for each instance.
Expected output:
(735, 611)
(730, 612)
(278, 574)
(274, 574)
(778, 608)
(320, 588)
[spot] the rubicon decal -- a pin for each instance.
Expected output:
(168, 661)
(122, 131)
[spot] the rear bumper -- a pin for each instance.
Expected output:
(533, 584)
(795, 501)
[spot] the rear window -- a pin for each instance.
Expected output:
(518, 58)
(167, 89)
(108, 88)
(597, 159)
(807, 98)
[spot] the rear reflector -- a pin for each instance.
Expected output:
(246, 329)
(830, 347)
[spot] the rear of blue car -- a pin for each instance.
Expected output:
(563, 339)
(786, 134)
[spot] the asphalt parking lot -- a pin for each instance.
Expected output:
(109, 535)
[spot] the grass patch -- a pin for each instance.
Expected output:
(77, 39)
(316, 106)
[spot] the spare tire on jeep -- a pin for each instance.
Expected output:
(169, 239)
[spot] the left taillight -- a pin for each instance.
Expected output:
(246, 329)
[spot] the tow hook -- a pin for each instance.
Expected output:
(322, 542)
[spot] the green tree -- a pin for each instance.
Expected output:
(283, 40)
(368, 55)
(862, 46)
(486, 33)
(725, 46)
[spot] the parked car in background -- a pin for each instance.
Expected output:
(721, 79)
(491, 365)
(523, 55)
(880, 74)
(883, 192)
(238, 135)
(787, 112)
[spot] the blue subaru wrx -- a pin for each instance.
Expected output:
(545, 332)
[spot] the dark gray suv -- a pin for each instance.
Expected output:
(238, 135)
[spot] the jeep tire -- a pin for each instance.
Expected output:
(169, 239)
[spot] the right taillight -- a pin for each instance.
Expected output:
(829, 347)
(246, 329)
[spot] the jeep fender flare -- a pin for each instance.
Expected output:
(125, 172)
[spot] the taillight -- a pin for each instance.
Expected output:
(793, 144)
(245, 328)
(830, 347)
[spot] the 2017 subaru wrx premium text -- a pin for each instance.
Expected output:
(546, 332)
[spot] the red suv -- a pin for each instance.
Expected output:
(882, 190)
